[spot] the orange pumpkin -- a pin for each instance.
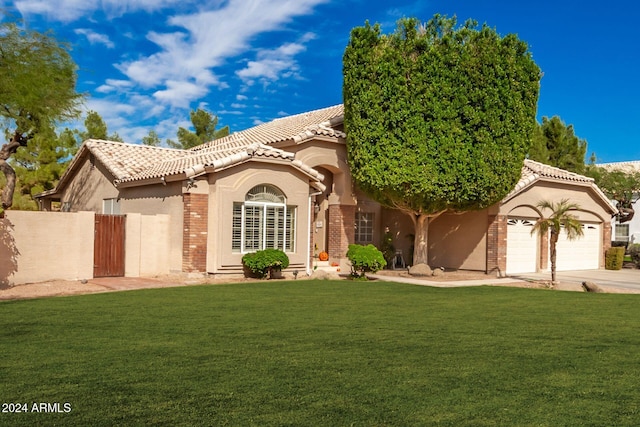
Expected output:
(323, 256)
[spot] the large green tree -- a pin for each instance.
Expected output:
(438, 118)
(204, 124)
(37, 89)
(554, 143)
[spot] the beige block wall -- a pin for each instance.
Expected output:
(41, 246)
(159, 200)
(232, 185)
(147, 245)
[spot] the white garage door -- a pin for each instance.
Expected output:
(580, 254)
(522, 247)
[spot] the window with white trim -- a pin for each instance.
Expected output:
(364, 227)
(622, 233)
(263, 221)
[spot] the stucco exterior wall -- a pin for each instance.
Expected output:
(89, 187)
(232, 185)
(591, 208)
(41, 246)
(459, 241)
(159, 200)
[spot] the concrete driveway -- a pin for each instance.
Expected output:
(622, 279)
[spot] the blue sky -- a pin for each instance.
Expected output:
(146, 63)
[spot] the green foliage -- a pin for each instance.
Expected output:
(555, 144)
(614, 258)
(387, 248)
(263, 262)
(152, 139)
(40, 164)
(437, 117)
(365, 259)
(204, 124)
(634, 253)
(37, 87)
(623, 186)
(96, 128)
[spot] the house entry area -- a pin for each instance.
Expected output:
(108, 249)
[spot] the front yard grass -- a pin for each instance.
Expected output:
(337, 353)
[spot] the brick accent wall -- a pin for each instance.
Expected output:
(342, 230)
(194, 240)
(497, 244)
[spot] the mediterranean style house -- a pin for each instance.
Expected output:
(286, 184)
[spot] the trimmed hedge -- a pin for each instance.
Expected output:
(614, 258)
(263, 262)
(634, 252)
(365, 259)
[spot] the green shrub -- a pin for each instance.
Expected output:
(634, 252)
(614, 257)
(365, 259)
(263, 262)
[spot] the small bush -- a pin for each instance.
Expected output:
(263, 262)
(365, 259)
(634, 252)
(614, 257)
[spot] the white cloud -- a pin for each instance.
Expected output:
(114, 85)
(241, 97)
(71, 10)
(95, 38)
(238, 105)
(272, 64)
(180, 93)
(189, 56)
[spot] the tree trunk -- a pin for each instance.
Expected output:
(552, 248)
(17, 141)
(420, 247)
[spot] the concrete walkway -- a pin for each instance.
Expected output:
(450, 283)
(625, 279)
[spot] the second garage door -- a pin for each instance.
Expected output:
(579, 254)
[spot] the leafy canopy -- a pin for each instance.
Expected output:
(438, 118)
(554, 143)
(37, 89)
(204, 124)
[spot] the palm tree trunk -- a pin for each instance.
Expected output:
(552, 255)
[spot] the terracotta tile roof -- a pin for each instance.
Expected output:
(534, 171)
(127, 160)
(296, 128)
(630, 166)
(195, 163)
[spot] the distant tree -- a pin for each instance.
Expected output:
(96, 128)
(204, 124)
(437, 118)
(152, 139)
(559, 220)
(40, 165)
(37, 89)
(555, 144)
(619, 185)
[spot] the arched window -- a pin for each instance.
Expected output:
(263, 221)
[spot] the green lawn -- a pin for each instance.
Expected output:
(306, 353)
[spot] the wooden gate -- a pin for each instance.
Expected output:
(108, 248)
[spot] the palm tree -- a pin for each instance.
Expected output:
(560, 219)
